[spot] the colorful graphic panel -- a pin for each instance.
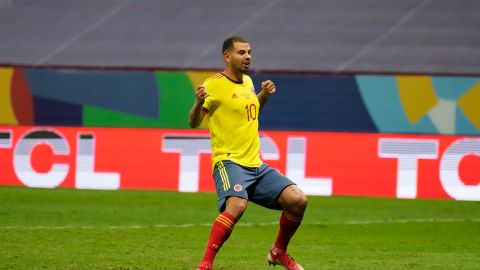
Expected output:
(422, 104)
(162, 99)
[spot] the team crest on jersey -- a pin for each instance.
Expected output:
(237, 188)
(234, 95)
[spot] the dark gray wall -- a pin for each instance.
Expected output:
(432, 36)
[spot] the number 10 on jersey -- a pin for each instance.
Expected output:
(251, 112)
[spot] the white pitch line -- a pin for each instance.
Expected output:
(243, 224)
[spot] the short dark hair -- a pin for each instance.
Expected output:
(228, 43)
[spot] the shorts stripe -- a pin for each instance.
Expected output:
(224, 176)
(220, 171)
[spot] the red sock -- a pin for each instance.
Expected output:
(289, 224)
(221, 230)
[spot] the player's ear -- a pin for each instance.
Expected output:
(226, 57)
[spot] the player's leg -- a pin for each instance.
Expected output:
(276, 191)
(221, 229)
(230, 179)
(294, 202)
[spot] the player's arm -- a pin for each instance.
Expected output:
(268, 88)
(197, 113)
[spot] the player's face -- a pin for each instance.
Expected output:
(240, 57)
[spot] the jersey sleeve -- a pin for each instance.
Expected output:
(211, 102)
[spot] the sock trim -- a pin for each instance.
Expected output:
(225, 221)
(292, 217)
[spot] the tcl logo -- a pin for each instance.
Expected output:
(85, 176)
(409, 151)
(190, 148)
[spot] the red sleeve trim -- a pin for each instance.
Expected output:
(204, 109)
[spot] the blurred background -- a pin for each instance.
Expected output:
(428, 36)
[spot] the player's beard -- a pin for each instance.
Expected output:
(244, 67)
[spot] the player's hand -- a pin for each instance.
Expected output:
(200, 95)
(269, 87)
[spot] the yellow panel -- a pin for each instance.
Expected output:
(7, 115)
(470, 105)
(197, 78)
(417, 96)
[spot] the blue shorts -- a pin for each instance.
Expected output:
(262, 185)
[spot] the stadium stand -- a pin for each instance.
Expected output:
(422, 36)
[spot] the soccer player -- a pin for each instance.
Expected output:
(232, 106)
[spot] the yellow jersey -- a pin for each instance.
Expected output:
(232, 111)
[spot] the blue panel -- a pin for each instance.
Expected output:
(463, 125)
(453, 87)
(130, 92)
(52, 112)
(313, 103)
(384, 106)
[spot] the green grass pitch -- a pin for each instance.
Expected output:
(133, 229)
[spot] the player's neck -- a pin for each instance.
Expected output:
(236, 77)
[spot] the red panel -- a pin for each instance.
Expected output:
(22, 99)
(139, 157)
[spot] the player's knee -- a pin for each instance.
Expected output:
(236, 206)
(297, 202)
(300, 201)
(241, 205)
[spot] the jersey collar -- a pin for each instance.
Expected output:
(232, 80)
